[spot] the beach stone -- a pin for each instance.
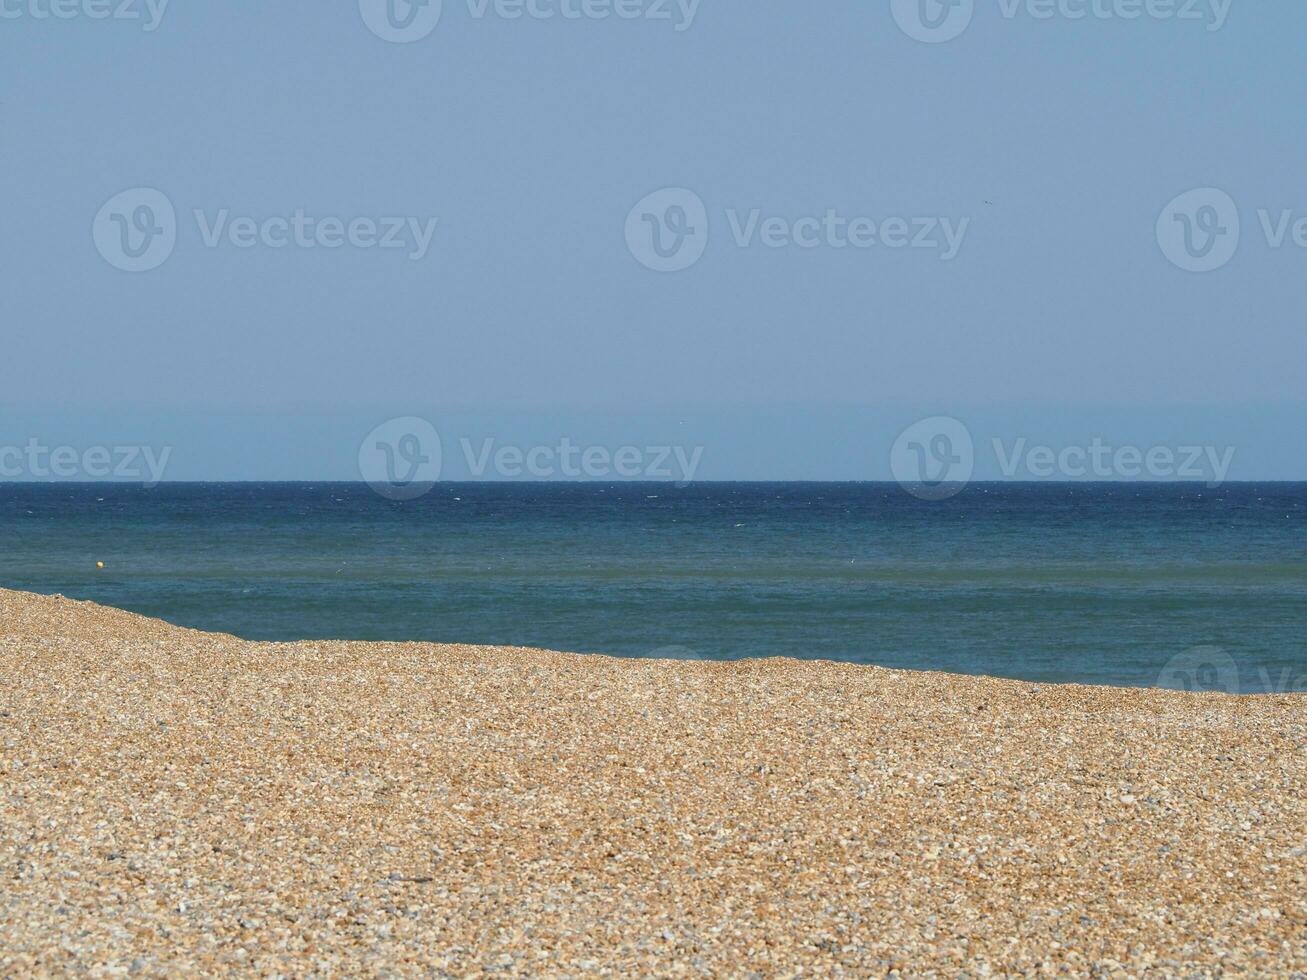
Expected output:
(175, 802)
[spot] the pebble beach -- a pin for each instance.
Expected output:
(177, 802)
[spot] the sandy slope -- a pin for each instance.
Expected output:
(172, 799)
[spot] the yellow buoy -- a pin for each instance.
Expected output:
(99, 564)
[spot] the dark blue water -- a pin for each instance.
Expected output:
(1129, 584)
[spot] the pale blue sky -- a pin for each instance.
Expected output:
(528, 318)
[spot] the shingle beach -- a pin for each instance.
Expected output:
(174, 801)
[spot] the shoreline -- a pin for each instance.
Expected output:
(598, 654)
(196, 801)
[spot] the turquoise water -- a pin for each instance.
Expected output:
(1128, 584)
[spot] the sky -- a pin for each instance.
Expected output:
(778, 233)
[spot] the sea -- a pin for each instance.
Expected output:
(1168, 584)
